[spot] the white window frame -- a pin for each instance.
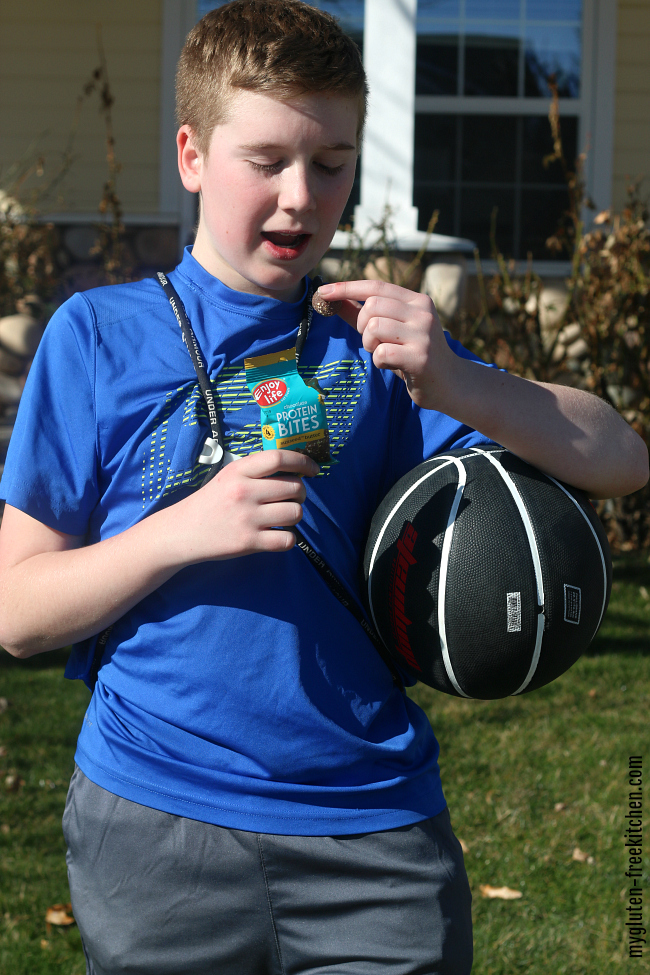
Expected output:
(594, 108)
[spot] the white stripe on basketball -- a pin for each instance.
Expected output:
(532, 543)
(434, 470)
(447, 460)
(600, 548)
(442, 580)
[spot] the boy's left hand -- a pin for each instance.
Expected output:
(401, 330)
(566, 432)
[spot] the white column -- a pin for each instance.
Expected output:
(387, 160)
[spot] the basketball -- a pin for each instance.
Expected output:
(485, 577)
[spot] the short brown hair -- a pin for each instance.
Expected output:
(280, 47)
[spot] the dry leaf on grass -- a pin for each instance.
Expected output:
(463, 845)
(13, 783)
(581, 856)
(4, 704)
(59, 916)
(592, 692)
(45, 944)
(502, 893)
(559, 806)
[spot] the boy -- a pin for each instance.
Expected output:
(253, 793)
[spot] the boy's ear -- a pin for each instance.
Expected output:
(189, 160)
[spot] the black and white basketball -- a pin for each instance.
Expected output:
(485, 577)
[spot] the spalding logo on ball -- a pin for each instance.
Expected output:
(485, 577)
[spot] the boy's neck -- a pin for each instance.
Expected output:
(211, 260)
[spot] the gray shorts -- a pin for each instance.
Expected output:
(156, 894)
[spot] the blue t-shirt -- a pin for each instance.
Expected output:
(241, 692)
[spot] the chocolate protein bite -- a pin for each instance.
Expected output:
(324, 308)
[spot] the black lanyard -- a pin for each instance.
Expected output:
(213, 455)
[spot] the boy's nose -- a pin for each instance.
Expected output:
(296, 192)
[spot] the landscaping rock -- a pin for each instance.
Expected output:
(380, 271)
(80, 241)
(10, 391)
(445, 282)
(553, 302)
(10, 364)
(20, 334)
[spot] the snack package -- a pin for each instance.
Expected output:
(293, 413)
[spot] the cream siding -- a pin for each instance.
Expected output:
(48, 50)
(632, 112)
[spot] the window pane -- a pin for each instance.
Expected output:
(489, 148)
(476, 213)
(494, 9)
(553, 50)
(491, 64)
(538, 143)
(435, 147)
(554, 10)
(428, 198)
(436, 71)
(540, 212)
(204, 6)
(439, 8)
(348, 12)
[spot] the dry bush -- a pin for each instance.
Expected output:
(601, 342)
(28, 268)
(28, 247)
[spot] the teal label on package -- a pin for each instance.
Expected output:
(293, 413)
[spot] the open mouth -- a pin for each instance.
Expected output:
(289, 241)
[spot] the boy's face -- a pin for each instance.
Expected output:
(273, 187)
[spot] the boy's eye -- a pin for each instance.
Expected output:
(272, 168)
(329, 170)
(269, 168)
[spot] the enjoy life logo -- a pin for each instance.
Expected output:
(270, 392)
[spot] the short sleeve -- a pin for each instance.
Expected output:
(51, 467)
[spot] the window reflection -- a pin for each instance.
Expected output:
(436, 70)
(554, 10)
(552, 51)
(491, 64)
(489, 148)
(494, 9)
(348, 12)
(466, 165)
(439, 8)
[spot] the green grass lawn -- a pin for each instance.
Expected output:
(505, 766)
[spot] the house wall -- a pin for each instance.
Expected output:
(48, 50)
(632, 106)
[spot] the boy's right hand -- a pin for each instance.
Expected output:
(237, 511)
(56, 590)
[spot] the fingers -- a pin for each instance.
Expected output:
(266, 463)
(363, 290)
(282, 487)
(349, 312)
(276, 541)
(285, 514)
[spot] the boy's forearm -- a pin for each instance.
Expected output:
(566, 432)
(53, 599)
(54, 592)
